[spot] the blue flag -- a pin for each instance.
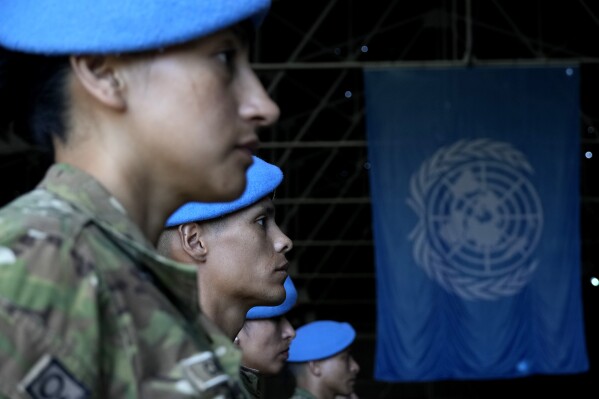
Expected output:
(475, 202)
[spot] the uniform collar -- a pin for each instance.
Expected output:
(251, 380)
(302, 393)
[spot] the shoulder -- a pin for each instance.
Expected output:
(42, 294)
(42, 281)
(40, 211)
(40, 237)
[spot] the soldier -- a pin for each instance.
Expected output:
(145, 105)
(320, 360)
(265, 338)
(238, 249)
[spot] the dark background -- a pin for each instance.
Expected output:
(309, 55)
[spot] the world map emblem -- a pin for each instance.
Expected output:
(480, 219)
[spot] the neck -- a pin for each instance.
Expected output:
(104, 146)
(147, 205)
(315, 388)
(229, 317)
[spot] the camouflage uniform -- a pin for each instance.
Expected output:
(300, 393)
(251, 381)
(88, 309)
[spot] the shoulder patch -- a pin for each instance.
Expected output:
(203, 371)
(49, 378)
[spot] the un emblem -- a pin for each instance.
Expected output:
(479, 219)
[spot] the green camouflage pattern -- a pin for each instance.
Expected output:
(89, 309)
(251, 381)
(300, 393)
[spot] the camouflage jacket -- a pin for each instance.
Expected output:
(252, 382)
(88, 309)
(300, 393)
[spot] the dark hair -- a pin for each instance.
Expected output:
(33, 98)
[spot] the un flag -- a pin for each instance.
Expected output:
(475, 204)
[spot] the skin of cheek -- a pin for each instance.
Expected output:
(338, 372)
(255, 341)
(256, 252)
(233, 259)
(241, 251)
(188, 100)
(262, 342)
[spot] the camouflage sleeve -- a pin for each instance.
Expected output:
(48, 319)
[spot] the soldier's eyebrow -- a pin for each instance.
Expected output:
(269, 209)
(245, 32)
(266, 207)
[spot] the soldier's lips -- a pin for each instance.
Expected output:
(282, 268)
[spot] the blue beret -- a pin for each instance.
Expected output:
(62, 27)
(319, 340)
(267, 312)
(262, 179)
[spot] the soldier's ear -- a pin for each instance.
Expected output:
(314, 367)
(101, 79)
(193, 241)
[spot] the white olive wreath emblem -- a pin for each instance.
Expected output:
(456, 279)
